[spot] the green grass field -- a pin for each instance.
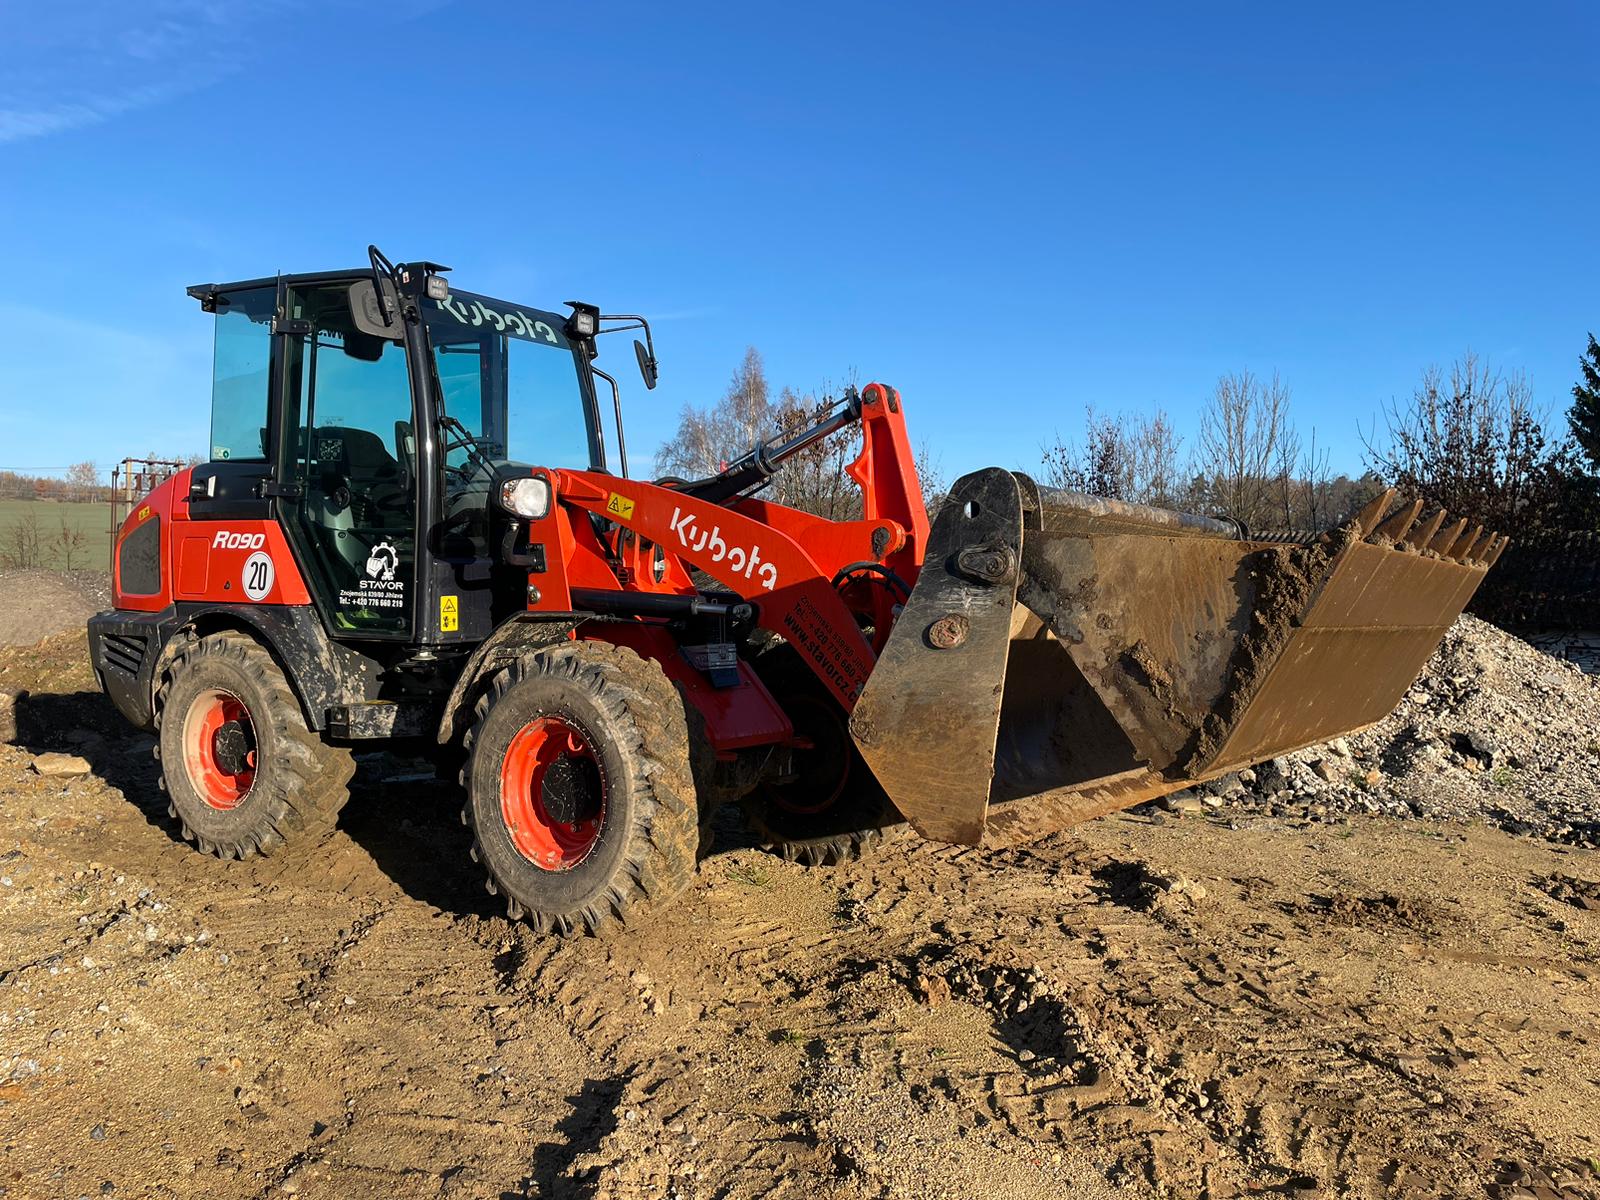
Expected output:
(92, 521)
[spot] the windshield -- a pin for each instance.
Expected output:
(513, 381)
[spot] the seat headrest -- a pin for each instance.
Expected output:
(352, 449)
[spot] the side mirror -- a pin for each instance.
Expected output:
(367, 314)
(647, 363)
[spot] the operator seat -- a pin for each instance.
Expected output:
(362, 499)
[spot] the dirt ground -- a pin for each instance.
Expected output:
(1207, 1005)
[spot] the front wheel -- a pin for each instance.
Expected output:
(579, 793)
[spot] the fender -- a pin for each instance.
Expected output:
(325, 674)
(128, 650)
(516, 636)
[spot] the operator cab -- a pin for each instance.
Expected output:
(318, 410)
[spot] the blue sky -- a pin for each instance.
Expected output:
(1007, 211)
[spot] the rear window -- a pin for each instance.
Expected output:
(239, 387)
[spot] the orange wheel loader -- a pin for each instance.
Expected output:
(411, 529)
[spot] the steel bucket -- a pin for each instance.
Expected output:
(1063, 656)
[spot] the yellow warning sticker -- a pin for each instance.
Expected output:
(449, 614)
(619, 506)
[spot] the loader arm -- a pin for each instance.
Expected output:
(792, 595)
(799, 570)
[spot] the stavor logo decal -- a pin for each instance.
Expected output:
(382, 561)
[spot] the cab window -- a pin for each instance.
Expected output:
(239, 371)
(348, 415)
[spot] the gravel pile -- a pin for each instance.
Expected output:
(37, 604)
(1493, 729)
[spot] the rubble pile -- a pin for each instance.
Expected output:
(1493, 729)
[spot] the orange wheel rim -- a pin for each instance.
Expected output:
(544, 837)
(219, 749)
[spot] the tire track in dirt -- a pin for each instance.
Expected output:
(1130, 1009)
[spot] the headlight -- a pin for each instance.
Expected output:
(528, 498)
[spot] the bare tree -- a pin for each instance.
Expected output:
(1318, 486)
(815, 479)
(1102, 465)
(1242, 433)
(1289, 487)
(83, 481)
(707, 439)
(70, 545)
(1155, 462)
(1120, 458)
(1471, 441)
(930, 474)
(22, 542)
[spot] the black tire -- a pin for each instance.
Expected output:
(634, 831)
(831, 809)
(298, 783)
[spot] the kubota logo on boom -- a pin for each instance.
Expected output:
(740, 561)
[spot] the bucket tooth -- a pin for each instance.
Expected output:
(1424, 534)
(1447, 537)
(1397, 526)
(1369, 516)
(1480, 548)
(1496, 551)
(1465, 543)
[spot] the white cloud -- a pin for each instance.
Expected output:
(77, 64)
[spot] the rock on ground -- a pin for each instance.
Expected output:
(57, 765)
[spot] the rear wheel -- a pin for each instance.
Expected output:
(579, 792)
(826, 807)
(243, 772)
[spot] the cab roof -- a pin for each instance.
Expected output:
(201, 290)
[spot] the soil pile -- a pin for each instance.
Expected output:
(36, 604)
(1493, 729)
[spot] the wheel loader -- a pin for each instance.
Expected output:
(414, 529)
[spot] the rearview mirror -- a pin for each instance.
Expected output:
(647, 363)
(367, 314)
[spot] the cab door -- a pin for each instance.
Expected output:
(348, 471)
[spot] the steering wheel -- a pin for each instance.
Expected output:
(458, 437)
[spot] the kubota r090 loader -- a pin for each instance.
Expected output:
(412, 529)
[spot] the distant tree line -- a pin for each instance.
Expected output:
(1249, 464)
(82, 482)
(39, 538)
(1468, 438)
